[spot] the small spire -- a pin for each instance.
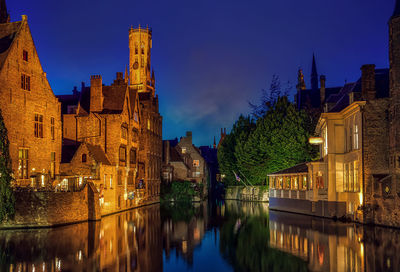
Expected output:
(314, 75)
(4, 16)
(396, 12)
(301, 84)
(215, 144)
(126, 74)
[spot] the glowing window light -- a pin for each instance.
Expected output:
(42, 180)
(316, 140)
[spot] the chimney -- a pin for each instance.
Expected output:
(322, 90)
(368, 82)
(96, 93)
(189, 136)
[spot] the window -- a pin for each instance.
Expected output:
(355, 136)
(319, 180)
(132, 156)
(356, 178)
(196, 174)
(52, 121)
(135, 135)
(196, 163)
(25, 82)
(183, 150)
(119, 177)
(25, 55)
(136, 49)
(122, 155)
(124, 132)
(23, 163)
(304, 183)
(351, 177)
(111, 181)
(135, 117)
(142, 48)
(148, 124)
(105, 181)
(325, 135)
(38, 125)
(53, 164)
(84, 158)
(130, 178)
(142, 61)
(346, 177)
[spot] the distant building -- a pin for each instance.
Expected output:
(31, 112)
(358, 173)
(184, 161)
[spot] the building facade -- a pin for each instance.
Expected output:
(357, 175)
(184, 161)
(113, 136)
(31, 111)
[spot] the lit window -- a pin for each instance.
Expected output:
(23, 163)
(319, 180)
(356, 178)
(325, 133)
(196, 163)
(148, 124)
(183, 150)
(355, 136)
(38, 125)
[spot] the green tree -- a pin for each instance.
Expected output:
(7, 200)
(227, 159)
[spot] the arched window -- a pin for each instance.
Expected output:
(84, 158)
(142, 48)
(136, 49)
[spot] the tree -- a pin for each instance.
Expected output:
(7, 200)
(268, 98)
(227, 160)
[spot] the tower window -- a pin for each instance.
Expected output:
(136, 49)
(142, 48)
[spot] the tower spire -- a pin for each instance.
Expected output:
(396, 12)
(4, 16)
(314, 75)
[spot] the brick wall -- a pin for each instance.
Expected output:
(34, 209)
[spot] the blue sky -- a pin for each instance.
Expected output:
(211, 57)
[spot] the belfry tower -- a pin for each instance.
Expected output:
(140, 75)
(4, 16)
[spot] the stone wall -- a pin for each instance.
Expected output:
(45, 209)
(257, 193)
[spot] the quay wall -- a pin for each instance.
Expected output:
(256, 193)
(46, 209)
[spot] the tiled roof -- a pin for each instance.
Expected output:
(297, 169)
(341, 100)
(98, 154)
(8, 32)
(175, 156)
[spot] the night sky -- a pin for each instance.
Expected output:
(211, 57)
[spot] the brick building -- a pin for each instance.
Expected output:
(358, 174)
(112, 134)
(184, 161)
(31, 112)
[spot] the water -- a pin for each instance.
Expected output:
(231, 236)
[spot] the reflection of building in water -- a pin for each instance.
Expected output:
(128, 241)
(248, 208)
(185, 236)
(326, 245)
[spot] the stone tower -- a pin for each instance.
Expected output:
(4, 16)
(140, 43)
(394, 60)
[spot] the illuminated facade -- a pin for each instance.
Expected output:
(31, 112)
(112, 134)
(357, 175)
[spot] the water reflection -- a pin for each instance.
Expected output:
(219, 237)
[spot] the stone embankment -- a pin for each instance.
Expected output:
(256, 193)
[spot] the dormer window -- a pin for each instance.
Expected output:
(25, 55)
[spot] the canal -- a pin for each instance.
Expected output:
(230, 236)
